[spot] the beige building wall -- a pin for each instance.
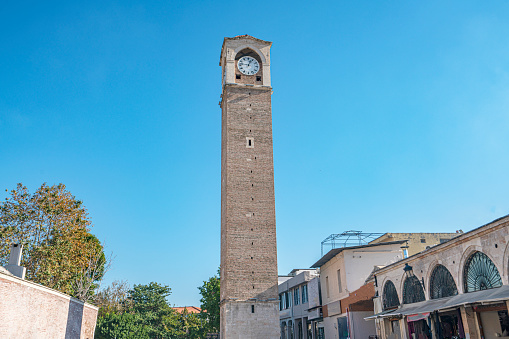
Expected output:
(29, 310)
(491, 239)
(417, 242)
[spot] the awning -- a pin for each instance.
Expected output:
(416, 317)
(487, 296)
(387, 313)
(423, 308)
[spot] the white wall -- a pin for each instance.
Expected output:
(360, 328)
(360, 262)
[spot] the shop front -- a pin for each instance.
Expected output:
(419, 326)
(493, 319)
(449, 324)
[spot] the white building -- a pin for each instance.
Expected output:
(300, 304)
(343, 271)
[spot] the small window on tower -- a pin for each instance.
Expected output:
(258, 78)
(237, 76)
(249, 142)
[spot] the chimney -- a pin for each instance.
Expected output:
(15, 260)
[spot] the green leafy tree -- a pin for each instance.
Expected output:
(210, 297)
(144, 310)
(189, 325)
(53, 226)
(121, 326)
(149, 301)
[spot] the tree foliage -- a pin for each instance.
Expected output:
(121, 326)
(113, 299)
(145, 311)
(53, 226)
(210, 298)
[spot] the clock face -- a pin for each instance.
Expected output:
(248, 65)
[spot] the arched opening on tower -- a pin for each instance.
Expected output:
(248, 67)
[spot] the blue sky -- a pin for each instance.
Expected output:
(388, 116)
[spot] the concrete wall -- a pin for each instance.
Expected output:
(355, 266)
(360, 328)
(359, 263)
(240, 322)
(491, 325)
(29, 310)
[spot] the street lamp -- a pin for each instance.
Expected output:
(409, 273)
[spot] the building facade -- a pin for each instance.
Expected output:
(417, 242)
(457, 289)
(344, 271)
(300, 305)
(249, 295)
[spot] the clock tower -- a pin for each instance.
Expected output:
(249, 295)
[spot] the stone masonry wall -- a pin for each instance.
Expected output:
(491, 239)
(248, 231)
(30, 310)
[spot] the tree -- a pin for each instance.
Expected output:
(210, 292)
(188, 325)
(121, 326)
(144, 309)
(113, 299)
(53, 226)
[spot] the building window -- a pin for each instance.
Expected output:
(412, 291)
(281, 302)
(304, 293)
(390, 296)
(288, 299)
(423, 241)
(480, 273)
(249, 142)
(339, 281)
(296, 296)
(441, 283)
(327, 286)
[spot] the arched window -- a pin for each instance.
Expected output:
(283, 330)
(412, 291)
(480, 273)
(441, 283)
(390, 296)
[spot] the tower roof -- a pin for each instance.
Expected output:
(241, 37)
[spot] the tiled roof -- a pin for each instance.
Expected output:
(190, 309)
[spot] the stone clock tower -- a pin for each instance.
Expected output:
(249, 295)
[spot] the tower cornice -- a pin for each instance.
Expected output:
(242, 37)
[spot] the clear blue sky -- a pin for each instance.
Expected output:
(387, 116)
